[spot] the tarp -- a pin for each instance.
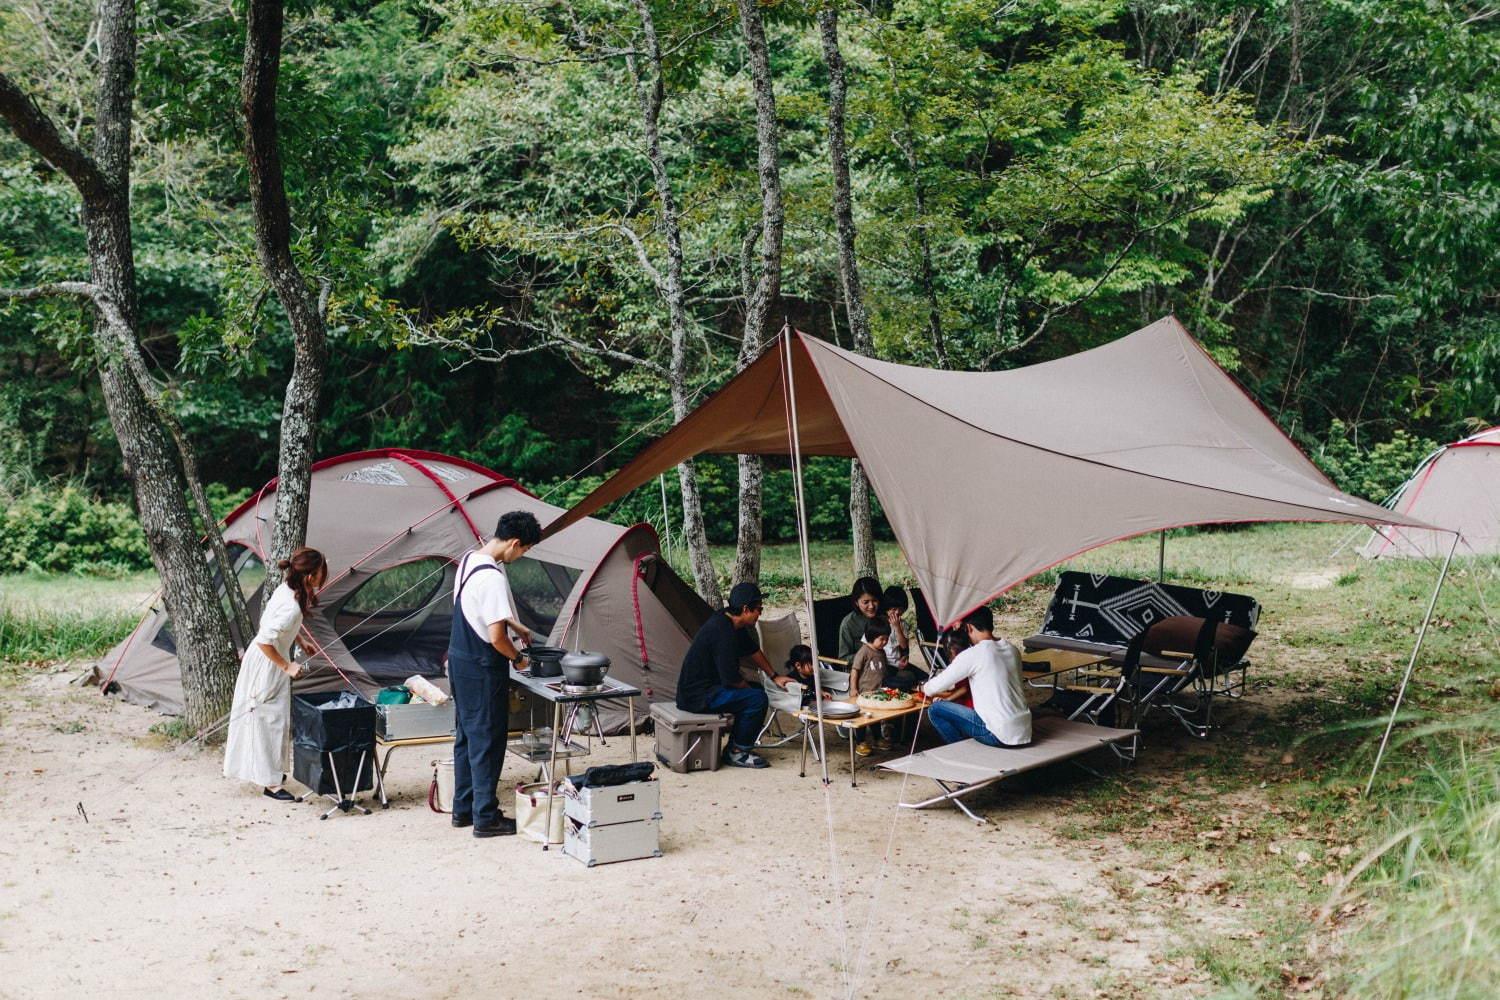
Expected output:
(392, 523)
(1457, 487)
(988, 478)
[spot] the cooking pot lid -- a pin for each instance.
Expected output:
(584, 658)
(549, 652)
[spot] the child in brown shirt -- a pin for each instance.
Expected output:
(867, 673)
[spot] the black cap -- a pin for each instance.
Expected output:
(744, 595)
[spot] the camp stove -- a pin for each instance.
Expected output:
(563, 687)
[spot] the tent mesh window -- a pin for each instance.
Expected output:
(396, 623)
(540, 589)
(249, 571)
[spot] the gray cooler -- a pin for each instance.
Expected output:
(414, 721)
(688, 741)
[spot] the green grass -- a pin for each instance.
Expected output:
(49, 617)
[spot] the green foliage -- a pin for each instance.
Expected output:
(29, 635)
(61, 528)
(1373, 472)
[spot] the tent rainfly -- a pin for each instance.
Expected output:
(1458, 487)
(392, 524)
(989, 478)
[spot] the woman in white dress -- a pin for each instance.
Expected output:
(262, 712)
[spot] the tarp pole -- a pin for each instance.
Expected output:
(1410, 664)
(799, 499)
(1161, 559)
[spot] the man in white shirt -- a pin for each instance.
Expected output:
(480, 648)
(999, 717)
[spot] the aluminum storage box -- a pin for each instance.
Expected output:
(603, 845)
(414, 721)
(632, 802)
(686, 741)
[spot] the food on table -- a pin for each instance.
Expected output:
(885, 699)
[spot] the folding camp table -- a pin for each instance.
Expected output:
(390, 747)
(808, 717)
(961, 768)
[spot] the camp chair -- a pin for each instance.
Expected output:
(1184, 683)
(929, 636)
(960, 769)
(781, 699)
(828, 614)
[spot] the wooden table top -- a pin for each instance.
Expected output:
(866, 716)
(1045, 662)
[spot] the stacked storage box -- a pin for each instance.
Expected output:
(687, 741)
(612, 823)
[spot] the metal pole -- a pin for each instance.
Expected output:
(1161, 560)
(807, 595)
(1410, 664)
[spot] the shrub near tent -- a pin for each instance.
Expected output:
(393, 524)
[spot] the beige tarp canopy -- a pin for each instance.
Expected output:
(991, 477)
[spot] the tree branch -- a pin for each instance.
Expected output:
(36, 129)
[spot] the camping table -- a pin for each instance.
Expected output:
(866, 717)
(1044, 664)
(390, 747)
(549, 689)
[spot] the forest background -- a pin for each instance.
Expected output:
(1310, 186)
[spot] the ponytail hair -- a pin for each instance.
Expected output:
(298, 573)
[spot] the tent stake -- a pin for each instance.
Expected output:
(799, 500)
(1410, 664)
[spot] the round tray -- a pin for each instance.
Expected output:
(836, 710)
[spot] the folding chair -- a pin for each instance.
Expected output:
(782, 699)
(1180, 682)
(828, 615)
(929, 636)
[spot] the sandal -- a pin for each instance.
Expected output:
(280, 795)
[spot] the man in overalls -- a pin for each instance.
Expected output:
(479, 650)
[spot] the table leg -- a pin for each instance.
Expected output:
(630, 708)
(853, 765)
(802, 773)
(552, 774)
(385, 803)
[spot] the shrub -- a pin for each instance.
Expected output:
(61, 529)
(1376, 472)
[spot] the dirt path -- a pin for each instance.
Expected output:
(182, 883)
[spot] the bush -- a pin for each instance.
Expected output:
(1373, 473)
(60, 529)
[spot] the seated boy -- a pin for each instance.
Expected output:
(999, 717)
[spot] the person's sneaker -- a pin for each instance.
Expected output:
(503, 828)
(462, 821)
(744, 758)
(863, 749)
(883, 742)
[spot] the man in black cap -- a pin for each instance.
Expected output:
(711, 683)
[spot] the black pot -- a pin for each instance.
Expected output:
(546, 661)
(585, 669)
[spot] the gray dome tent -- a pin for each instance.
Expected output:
(392, 524)
(1457, 487)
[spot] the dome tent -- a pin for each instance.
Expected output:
(1456, 487)
(393, 524)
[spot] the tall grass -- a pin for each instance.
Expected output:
(1433, 927)
(32, 635)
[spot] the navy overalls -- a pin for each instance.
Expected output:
(480, 678)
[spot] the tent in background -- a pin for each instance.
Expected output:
(1457, 487)
(988, 478)
(392, 524)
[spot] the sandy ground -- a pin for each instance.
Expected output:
(180, 883)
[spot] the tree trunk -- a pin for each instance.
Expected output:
(762, 299)
(205, 652)
(305, 309)
(854, 295)
(652, 95)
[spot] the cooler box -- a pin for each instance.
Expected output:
(687, 741)
(414, 720)
(602, 845)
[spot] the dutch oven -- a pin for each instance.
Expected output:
(584, 669)
(546, 661)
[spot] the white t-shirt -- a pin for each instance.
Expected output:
(486, 597)
(993, 670)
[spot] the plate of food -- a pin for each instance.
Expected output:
(885, 700)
